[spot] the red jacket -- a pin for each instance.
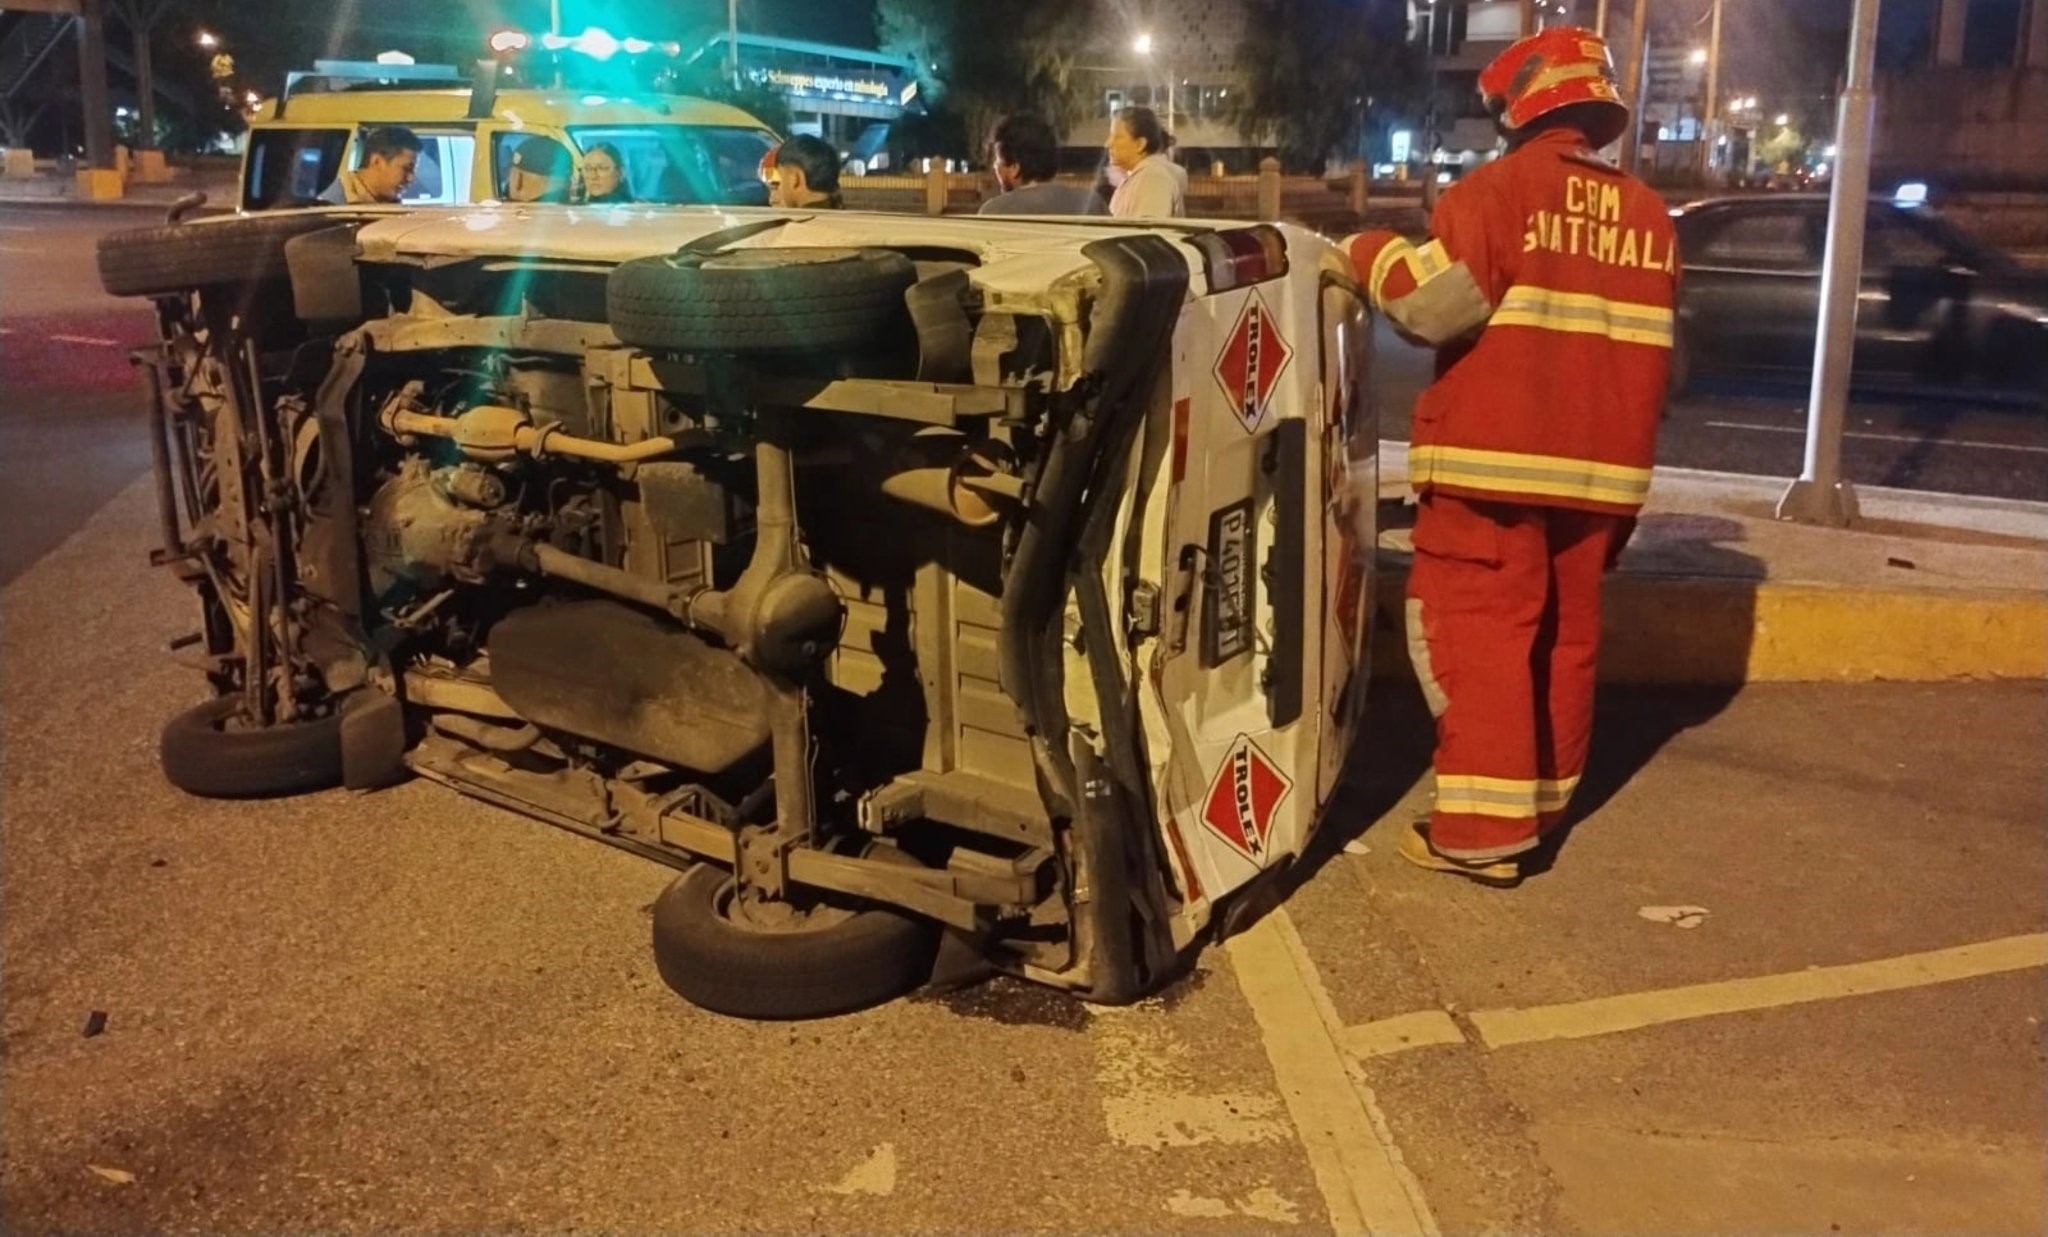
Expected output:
(1573, 272)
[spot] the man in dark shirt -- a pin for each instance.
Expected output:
(1024, 152)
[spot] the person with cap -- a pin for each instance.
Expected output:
(540, 172)
(1547, 287)
(391, 154)
(1024, 152)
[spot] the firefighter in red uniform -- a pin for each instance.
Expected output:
(1547, 288)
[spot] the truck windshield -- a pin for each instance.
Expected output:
(684, 164)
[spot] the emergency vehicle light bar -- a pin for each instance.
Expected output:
(1240, 257)
(594, 42)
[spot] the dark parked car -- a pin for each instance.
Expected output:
(1937, 305)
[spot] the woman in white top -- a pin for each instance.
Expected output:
(1153, 187)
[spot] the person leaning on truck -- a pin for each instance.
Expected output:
(390, 156)
(1547, 289)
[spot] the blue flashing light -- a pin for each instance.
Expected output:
(597, 44)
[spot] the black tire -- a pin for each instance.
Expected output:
(230, 250)
(203, 756)
(873, 956)
(755, 301)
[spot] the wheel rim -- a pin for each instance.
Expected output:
(776, 918)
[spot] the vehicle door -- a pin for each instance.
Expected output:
(1237, 707)
(290, 165)
(1750, 298)
(1913, 308)
(1348, 518)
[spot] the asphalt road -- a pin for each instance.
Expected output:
(71, 413)
(409, 1010)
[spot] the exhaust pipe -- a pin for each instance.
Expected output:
(973, 489)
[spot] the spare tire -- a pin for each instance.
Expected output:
(239, 249)
(753, 301)
(831, 961)
(205, 752)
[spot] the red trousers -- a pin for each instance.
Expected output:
(1504, 631)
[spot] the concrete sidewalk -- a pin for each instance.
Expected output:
(1714, 589)
(63, 191)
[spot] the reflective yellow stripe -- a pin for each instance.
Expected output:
(1581, 313)
(1561, 74)
(1509, 797)
(1383, 263)
(1553, 793)
(1433, 260)
(1512, 472)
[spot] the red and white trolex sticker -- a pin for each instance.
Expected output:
(1244, 798)
(1253, 358)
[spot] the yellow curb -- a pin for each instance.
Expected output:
(1671, 630)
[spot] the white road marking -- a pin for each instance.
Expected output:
(1501, 1028)
(93, 340)
(1150, 1101)
(1910, 438)
(1364, 1183)
(1420, 1029)
(1264, 1203)
(875, 1175)
(1607, 1015)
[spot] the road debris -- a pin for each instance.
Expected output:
(115, 1176)
(1676, 916)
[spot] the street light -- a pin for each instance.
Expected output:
(1143, 46)
(1697, 56)
(1782, 118)
(208, 40)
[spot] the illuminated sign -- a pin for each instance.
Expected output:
(813, 83)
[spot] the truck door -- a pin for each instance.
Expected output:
(1239, 675)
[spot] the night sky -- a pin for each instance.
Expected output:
(285, 34)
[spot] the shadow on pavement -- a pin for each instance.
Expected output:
(1679, 620)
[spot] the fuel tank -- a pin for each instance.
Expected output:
(609, 672)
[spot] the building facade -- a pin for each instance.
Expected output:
(836, 93)
(1178, 57)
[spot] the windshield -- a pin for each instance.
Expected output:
(683, 164)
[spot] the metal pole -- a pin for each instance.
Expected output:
(145, 86)
(1528, 18)
(1430, 118)
(1712, 122)
(1821, 495)
(732, 42)
(1632, 84)
(554, 16)
(92, 82)
(1600, 20)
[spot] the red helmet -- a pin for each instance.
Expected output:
(1561, 67)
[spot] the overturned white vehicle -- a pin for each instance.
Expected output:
(926, 591)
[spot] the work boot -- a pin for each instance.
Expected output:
(1416, 849)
